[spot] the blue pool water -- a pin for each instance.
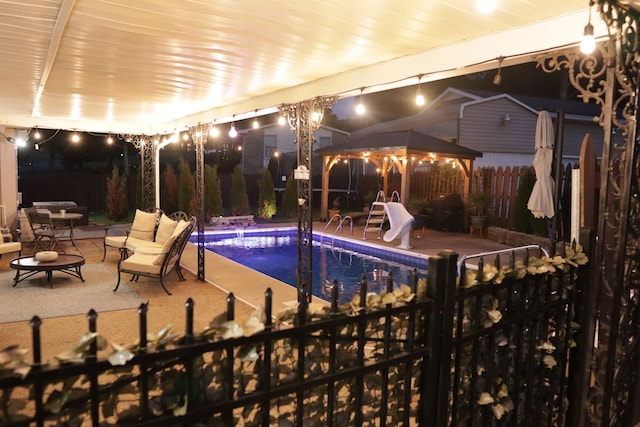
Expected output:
(275, 253)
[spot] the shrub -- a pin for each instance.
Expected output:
(117, 208)
(266, 196)
(290, 198)
(171, 186)
(187, 189)
(239, 198)
(521, 217)
(212, 194)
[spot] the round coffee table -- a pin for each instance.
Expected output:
(27, 266)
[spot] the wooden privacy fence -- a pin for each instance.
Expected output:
(500, 183)
(493, 349)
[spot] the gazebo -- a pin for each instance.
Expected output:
(403, 149)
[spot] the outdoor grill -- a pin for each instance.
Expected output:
(446, 212)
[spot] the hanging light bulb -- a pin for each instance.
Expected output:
(185, 136)
(419, 96)
(588, 43)
(214, 131)
(109, 139)
(486, 6)
(256, 123)
(75, 137)
(233, 132)
(497, 80)
(36, 134)
(360, 109)
(281, 120)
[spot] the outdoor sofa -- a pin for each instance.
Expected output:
(156, 249)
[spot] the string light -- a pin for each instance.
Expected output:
(256, 124)
(109, 139)
(588, 43)
(360, 108)
(419, 96)
(497, 80)
(233, 132)
(36, 134)
(75, 137)
(214, 131)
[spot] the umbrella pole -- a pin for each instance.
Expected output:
(557, 234)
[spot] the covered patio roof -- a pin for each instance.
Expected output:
(403, 149)
(149, 66)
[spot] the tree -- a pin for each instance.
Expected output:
(186, 198)
(212, 194)
(521, 217)
(266, 196)
(117, 208)
(290, 198)
(170, 189)
(239, 198)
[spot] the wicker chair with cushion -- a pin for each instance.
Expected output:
(143, 228)
(157, 261)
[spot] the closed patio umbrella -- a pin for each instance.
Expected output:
(541, 202)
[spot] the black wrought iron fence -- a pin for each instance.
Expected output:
(439, 352)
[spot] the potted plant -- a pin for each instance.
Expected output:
(477, 204)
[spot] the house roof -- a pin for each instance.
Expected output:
(150, 66)
(461, 98)
(400, 142)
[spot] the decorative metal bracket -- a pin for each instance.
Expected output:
(145, 146)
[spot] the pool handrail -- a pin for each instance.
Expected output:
(464, 258)
(341, 220)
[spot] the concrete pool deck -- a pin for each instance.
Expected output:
(249, 286)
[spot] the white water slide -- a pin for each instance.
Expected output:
(400, 222)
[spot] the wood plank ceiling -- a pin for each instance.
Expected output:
(148, 66)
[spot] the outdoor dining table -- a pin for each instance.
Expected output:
(66, 219)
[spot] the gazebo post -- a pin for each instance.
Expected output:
(405, 173)
(384, 170)
(324, 199)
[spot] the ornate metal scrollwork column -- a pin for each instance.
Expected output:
(609, 77)
(304, 118)
(145, 146)
(199, 134)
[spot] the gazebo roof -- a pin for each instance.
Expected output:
(405, 142)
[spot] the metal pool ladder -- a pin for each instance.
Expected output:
(378, 214)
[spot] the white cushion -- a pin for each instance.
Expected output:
(180, 227)
(166, 226)
(141, 262)
(134, 244)
(9, 247)
(144, 225)
(46, 256)
(115, 241)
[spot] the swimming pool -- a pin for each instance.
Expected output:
(274, 252)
